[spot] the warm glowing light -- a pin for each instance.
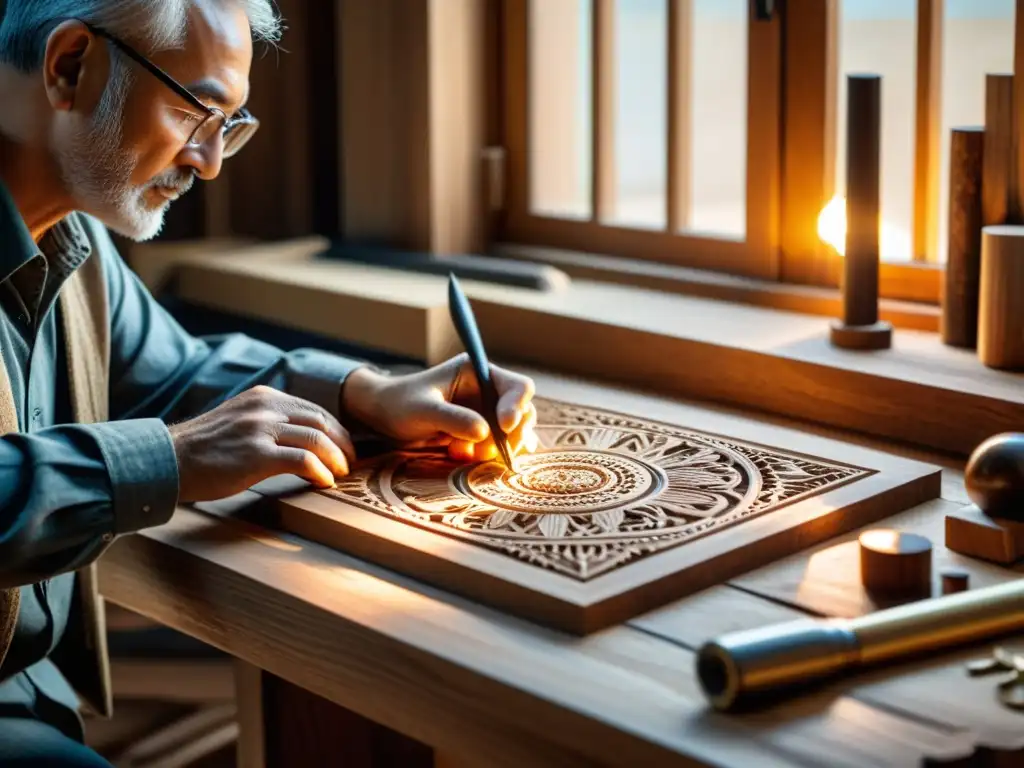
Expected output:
(832, 224)
(894, 242)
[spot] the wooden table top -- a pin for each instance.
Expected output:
(474, 682)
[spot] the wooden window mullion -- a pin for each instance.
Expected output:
(680, 74)
(928, 130)
(810, 75)
(603, 104)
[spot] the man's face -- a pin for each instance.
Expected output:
(125, 160)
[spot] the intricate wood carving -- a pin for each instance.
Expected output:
(614, 515)
(603, 490)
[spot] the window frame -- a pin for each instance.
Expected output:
(792, 79)
(757, 255)
(810, 63)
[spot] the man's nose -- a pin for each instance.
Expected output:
(206, 159)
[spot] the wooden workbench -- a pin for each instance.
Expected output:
(361, 666)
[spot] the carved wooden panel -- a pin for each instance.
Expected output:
(612, 515)
(602, 491)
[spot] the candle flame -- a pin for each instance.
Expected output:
(894, 242)
(832, 225)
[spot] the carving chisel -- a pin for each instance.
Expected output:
(465, 323)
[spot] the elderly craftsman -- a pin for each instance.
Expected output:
(111, 413)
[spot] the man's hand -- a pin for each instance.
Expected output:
(256, 435)
(441, 406)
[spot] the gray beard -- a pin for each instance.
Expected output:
(97, 170)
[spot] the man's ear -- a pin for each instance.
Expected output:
(74, 69)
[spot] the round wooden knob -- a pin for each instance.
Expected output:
(994, 477)
(896, 563)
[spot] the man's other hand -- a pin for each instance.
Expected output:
(261, 433)
(440, 406)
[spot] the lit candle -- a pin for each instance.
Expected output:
(860, 327)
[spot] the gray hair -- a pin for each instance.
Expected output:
(25, 25)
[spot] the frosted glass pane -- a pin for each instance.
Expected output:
(977, 40)
(641, 96)
(718, 122)
(880, 38)
(559, 107)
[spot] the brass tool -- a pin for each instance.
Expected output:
(741, 669)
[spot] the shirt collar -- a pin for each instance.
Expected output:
(65, 245)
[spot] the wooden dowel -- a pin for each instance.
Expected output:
(998, 191)
(863, 199)
(959, 324)
(680, 75)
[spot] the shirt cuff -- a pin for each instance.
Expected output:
(318, 377)
(143, 469)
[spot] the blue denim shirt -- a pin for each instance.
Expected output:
(71, 484)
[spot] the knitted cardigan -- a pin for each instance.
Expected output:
(84, 310)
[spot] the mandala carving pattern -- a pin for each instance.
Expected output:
(602, 490)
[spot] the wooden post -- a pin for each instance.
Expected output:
(963, 265)
(285, 726)
(860, 327)
(810, 105)
(1000, 307)
(413, 107)
(999, 184)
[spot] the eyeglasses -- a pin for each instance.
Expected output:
(236, 130)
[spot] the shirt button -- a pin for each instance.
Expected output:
(108, 537)
(146, 509)
(37, 414)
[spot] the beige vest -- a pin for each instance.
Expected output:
(83, 303)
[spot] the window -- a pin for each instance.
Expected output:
(645, 128)
(694, 132)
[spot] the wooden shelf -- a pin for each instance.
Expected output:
(920, 392)
(286, 284)
(701, 283)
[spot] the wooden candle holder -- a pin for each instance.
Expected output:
(1001, 300)
(860, 327)
(960, 287)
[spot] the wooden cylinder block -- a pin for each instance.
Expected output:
(963, 263)
(1001, 298)
(895, 563)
